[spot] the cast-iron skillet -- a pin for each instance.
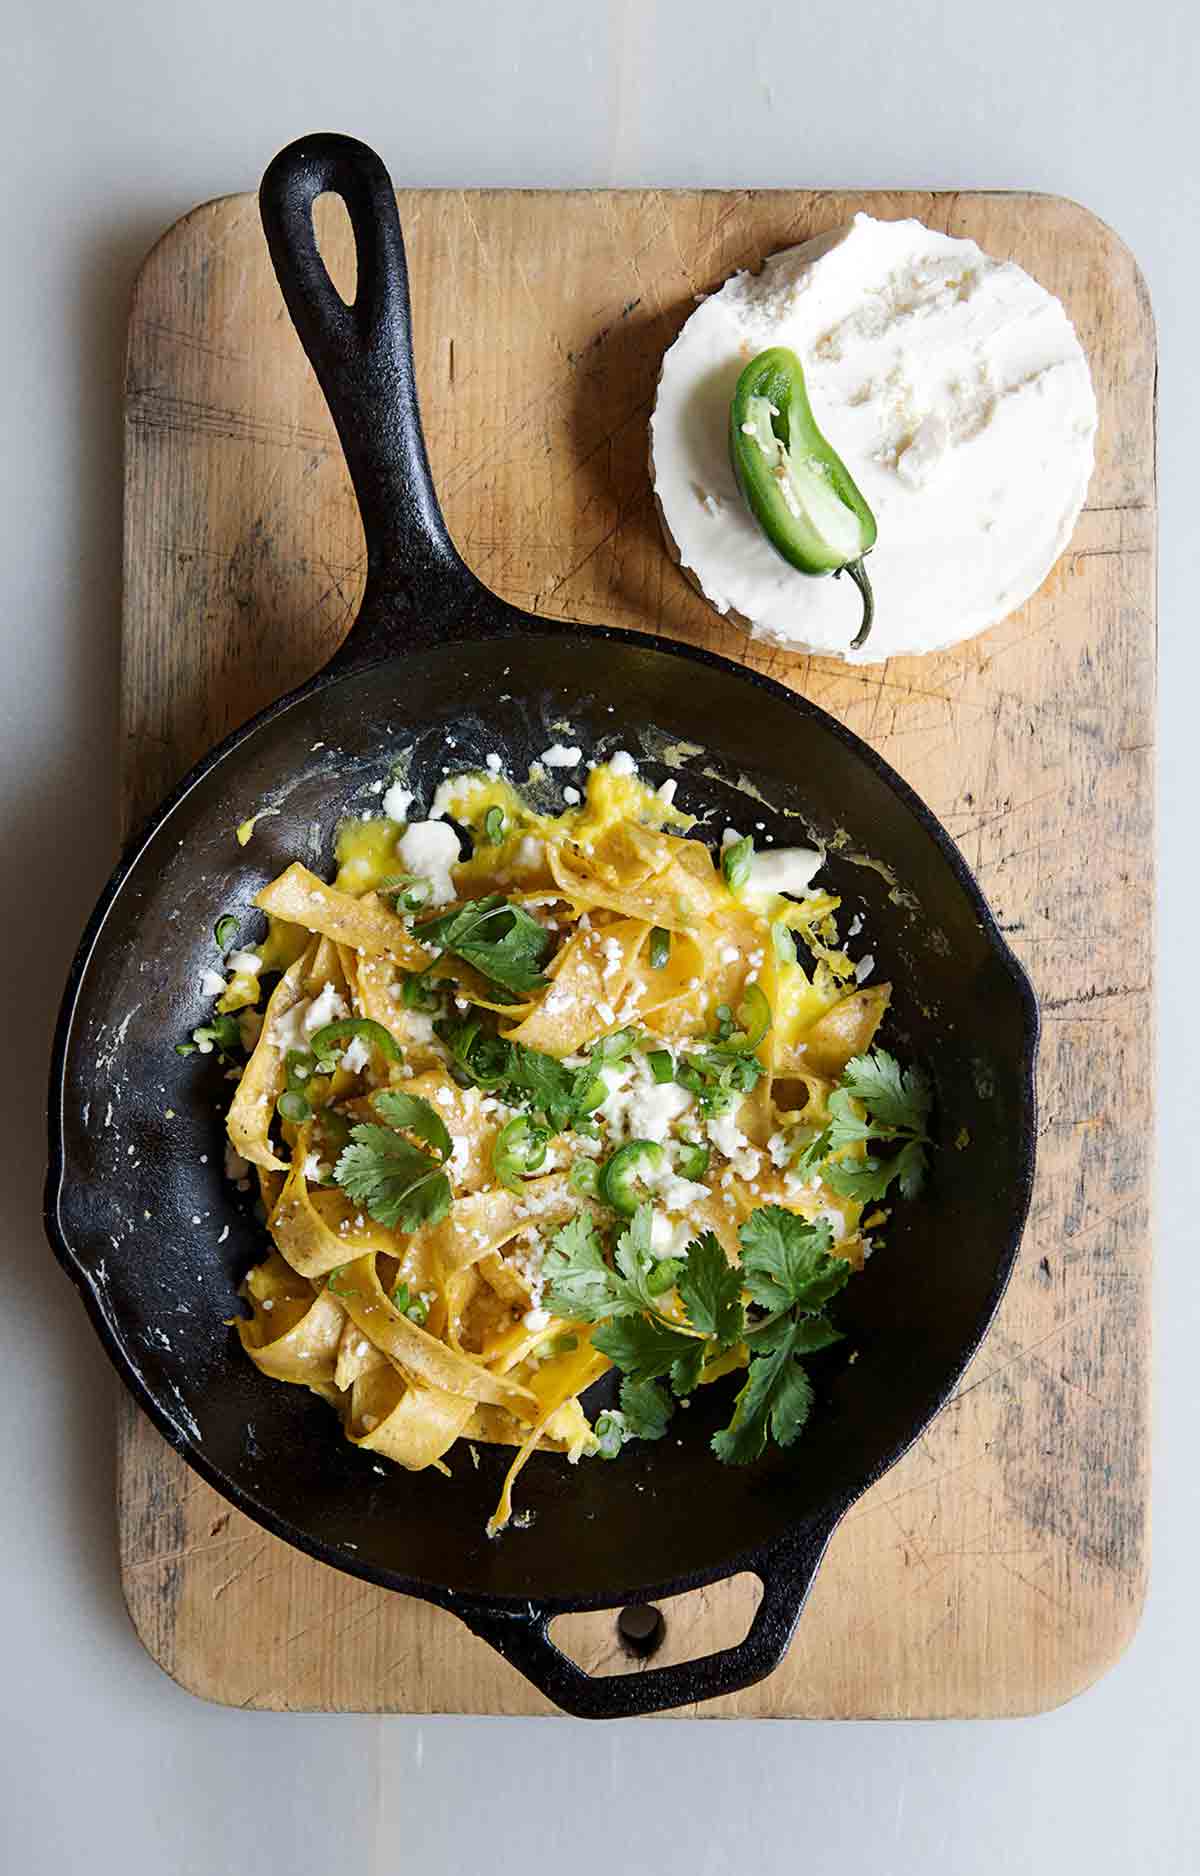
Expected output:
(157, 1241)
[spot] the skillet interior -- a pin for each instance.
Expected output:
(143, 1203)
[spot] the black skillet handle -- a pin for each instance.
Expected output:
(362, 355)
(522, 1637)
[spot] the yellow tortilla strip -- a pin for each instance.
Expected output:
(558, 1382)
(588, 977)
(355, 1355)
(484, 1221)
(317, 1229)
(420, 1355)
(848, 1029)
(662, 899)
(364, 924)
(324, 968)
(649, 992)
(404, 1421)
(252, 1109)
(290, 1337)
(491, 1426)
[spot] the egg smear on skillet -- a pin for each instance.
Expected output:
(590, 1096)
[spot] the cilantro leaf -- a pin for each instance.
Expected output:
(398, 1184)
(910, 1166)
(498, 937)
(710, 1289)
(877, 1100)
(894, 1097)
(718, 1078)
(687, 1368)
(647, 1408)
(635, 1259)
(777, 1397)
(641, 1346)
(846, 1125)
(870, 1178)
(786, 1262)
(860, 1179)
(415, 1116)
(580, 1283)
(806, 1334)
(562, 1097)
(809, 1159)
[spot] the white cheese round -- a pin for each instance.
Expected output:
(955, 391)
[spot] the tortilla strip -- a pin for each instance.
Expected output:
(290, 1337)
(252, 1109)
(365, 924)
(632, 870)
(558, 1382)
(420, 1355)
(318, 1230)
(483, 1221)
(848, 1029)
(588, 975)
(355, 1356)
(491, 1426)
(415, 1424)
(325, 968)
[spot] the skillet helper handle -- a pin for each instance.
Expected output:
(522, 1637)
(362, 357)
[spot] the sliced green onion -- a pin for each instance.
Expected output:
(584, 1177)
(621, 1176)
(327, 1042)
(185, 1048)
(661, 1064)
(414, 1307)
(225, 931)
(665, 1275)
(692, 1163)
(611, 1433)
(689, 1075)
(293, 1106)
(660, 947)
(736, 861)
(493, 826)
(519, 1149)
(784, 942)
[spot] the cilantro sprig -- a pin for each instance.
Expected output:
(546, 1088)
(788, 1274)
(876, 1101)
(788, 1270)
(398, 1179)
(498, 937)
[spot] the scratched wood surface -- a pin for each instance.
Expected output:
(1000, 1567)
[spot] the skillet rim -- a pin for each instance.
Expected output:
(511, 622)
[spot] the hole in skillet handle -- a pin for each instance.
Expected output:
(641, 1629)
(520, 1633)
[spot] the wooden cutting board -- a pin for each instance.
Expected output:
(1001, 1566)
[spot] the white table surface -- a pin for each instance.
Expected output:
(117, 119)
